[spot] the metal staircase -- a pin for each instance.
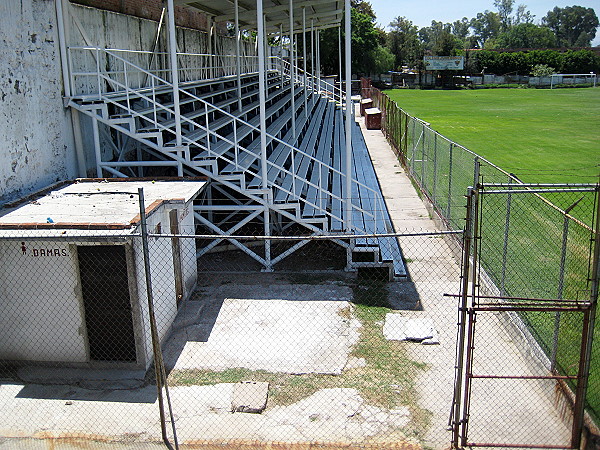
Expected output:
(301, 181)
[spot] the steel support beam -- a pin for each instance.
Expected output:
(262, 95)
(304, 59)
(61, 17)
(349, 106)
(97, 150)
(340, 59)
(292, 70)
(237, 55)
(174, 70)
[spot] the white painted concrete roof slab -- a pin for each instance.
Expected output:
(98, 202)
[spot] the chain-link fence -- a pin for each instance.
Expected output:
(535, 243)
(107, 336)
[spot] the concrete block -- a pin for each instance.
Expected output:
(365, 103)
(249, 397)
(373, 118)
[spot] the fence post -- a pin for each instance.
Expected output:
(587, 337)
(405, 134)
(449, 215)
(153, 331)
(435, 172)
(455, 420)
(414, 148)
(423, 158)
(561, 282)
(505, 245)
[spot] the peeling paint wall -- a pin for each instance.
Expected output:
(36, 134)
(36, 139)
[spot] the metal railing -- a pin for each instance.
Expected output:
(548, 257)
(113, 86)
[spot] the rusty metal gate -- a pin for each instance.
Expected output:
(526, 317)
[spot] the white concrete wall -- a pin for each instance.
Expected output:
(41, 314)
(163, 280)
(36, 138)
(189, 263)
(36, 142)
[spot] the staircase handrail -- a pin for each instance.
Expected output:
(128, 90)
(333, 92)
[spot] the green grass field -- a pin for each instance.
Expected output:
(541, 135)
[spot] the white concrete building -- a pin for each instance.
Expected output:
(72, 259)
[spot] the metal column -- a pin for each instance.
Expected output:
(97, 150)
(237, 55)
(348, 56)
(174, 70)
(211, 62)
(260, 18)
(312, 55)
(318, 61)
(62, 39)
(292, 69)
(340, 60)
(304, 58)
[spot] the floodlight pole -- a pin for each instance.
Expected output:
(348, 56)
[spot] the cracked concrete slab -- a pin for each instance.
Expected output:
(290, 328)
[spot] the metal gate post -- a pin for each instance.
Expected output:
(152, 318)
(455, 415)
(588, 336)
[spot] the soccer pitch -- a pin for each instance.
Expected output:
(541, 135)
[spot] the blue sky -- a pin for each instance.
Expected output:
(422, 12)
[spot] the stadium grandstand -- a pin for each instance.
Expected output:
(253, 114)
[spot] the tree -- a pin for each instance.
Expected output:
(542, 70)
(526, 35)
(485, 26)
(439, 39)
(363, 8)
(366, 40)
(523, 15)
(460, 28)
(383, 60)
(403, 42)
(574, 26)
(580, 61)
(505, 8)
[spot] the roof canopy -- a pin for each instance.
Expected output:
(324, 13)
